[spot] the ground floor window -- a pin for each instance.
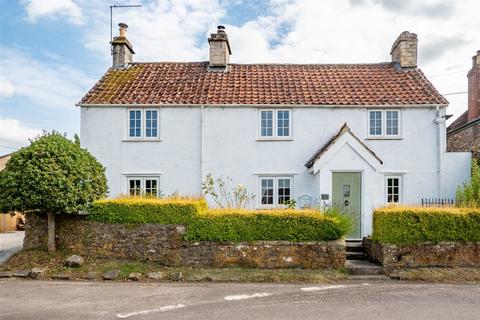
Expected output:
(275, 190)
(393, 189)
(139, 186)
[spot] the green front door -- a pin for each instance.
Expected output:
(346, 194)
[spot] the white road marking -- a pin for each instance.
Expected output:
(144, 312)
(322, 288)
(247, 296)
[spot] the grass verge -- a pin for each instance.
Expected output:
(444, 275)
(53, 264)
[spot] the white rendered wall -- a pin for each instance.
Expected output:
(457, 171)
(175, 157)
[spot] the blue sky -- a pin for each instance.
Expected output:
(53, 51)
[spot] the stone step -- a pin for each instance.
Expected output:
(356, 255)
(362, 267)
(354, 246)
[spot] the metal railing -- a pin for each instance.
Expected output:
(435, 202)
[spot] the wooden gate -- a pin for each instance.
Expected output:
(8, 223)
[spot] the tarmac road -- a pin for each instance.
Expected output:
(29, 299)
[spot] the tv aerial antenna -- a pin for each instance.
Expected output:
(111, 14)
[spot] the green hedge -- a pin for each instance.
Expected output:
(145, 210)
(414, 225)
(267, 225)
(222, 225)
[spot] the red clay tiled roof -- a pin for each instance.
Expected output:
(272, 84)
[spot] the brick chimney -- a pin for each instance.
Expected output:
(474, 88)
(219, 50)
(122, 50)
(404, 50)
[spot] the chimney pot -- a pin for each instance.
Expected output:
(476, 59)
(122, 50)
(122, 29)
(404, 50)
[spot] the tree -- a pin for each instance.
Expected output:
(54, 176)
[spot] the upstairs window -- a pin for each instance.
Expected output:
(275, 124)
(283, 123)
(143, 124)
(135, 123)
(274, 191)
(151, 118)
(375, 123)
(383, 123)
(266, 123)
(392, 123)
(143, 186)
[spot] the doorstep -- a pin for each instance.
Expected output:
(363, 267)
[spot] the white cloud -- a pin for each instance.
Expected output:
(6, 87)
(160, 30)
(54, 9)
(14, 135)
(51, 84)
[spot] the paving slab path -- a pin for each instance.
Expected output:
(10, 243)
(236, 301)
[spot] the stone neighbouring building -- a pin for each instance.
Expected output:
(164, 244)
(464, 133)
(444, 254)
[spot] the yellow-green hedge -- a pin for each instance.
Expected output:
(146, 210)
(254, 225)
(413, 225)
(222, 225)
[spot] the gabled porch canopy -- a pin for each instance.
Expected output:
(344, 137)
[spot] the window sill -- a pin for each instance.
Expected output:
(142, 140)
(274, 139)
(383, 138)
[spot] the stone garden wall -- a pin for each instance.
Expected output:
(164, 244)
(444, 254)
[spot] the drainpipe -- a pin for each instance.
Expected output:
(202, 145)
(440, 120)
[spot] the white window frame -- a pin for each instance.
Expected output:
(143, 129)
(400, 188)
(128, 124)
(158, 124)
(275, 135)
(275, 191)
(384, 134)
(142, 183)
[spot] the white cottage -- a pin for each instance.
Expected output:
(360, 135)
